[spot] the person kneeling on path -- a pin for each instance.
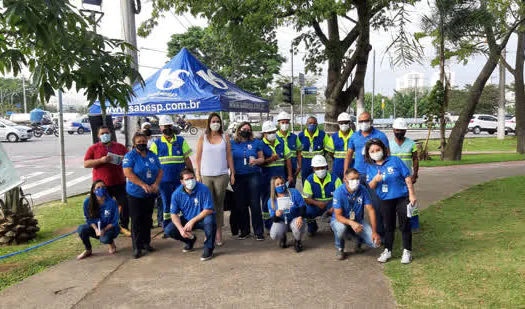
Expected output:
(192, 208)
(101, 212)
(287, 209)
(350, 202)
(318, 191)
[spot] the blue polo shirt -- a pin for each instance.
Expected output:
(357, 144)
(295, 209)
(348, 202)
(192, 204)
(241, 153)
(146, 168)
(108, 213)
(394, 172)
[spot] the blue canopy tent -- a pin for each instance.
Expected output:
(185, 85)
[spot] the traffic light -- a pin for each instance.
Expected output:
(288, 93)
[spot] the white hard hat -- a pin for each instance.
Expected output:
(144, 124)
(319, 161)
(283, 116)
(400, 124)
(268, 126)
(344, 117)
(165, 120)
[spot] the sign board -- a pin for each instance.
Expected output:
(9, 178)
(301, 79)
(310, 90)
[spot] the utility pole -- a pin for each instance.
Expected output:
(415, 98)
(62, 148)
(291, 104)
(24, 93)
(373, 80)
(501, 101)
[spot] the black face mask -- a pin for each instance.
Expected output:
(400, 135)
(147, 132)
(168, 131)
(141, 147)
(245, 134)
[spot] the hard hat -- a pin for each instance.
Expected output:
(283, 116)
(344, 117)
(165, 120)
(268, 126)
(144, 124)
(400, 124)
(319, 161)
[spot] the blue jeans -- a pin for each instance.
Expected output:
(85, 231)
(376, 203)
(166, 191)
(306, 168)
(342, 230)
(247, 190)
(338, 168)
(207, 224)
(313, 212)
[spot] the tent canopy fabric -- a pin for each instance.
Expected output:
(185, 85)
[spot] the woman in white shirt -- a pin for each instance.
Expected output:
(214, 158)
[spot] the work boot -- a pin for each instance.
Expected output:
(137, 253)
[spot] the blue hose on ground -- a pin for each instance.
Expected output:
(36, 246)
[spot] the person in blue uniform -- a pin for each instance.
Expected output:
(315, 142)
(339, 142)
(287, 210)
(276, 158)
(348, 219)
(318, 191)
(191, 209)
(391, 180)
(101, 213)
(290, 139)
(144, 173)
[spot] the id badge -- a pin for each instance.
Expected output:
(311, 148)
(245, 161)
(384, 188)
(148, 174)
(352, 215)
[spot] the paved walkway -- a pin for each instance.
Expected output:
(244, 274)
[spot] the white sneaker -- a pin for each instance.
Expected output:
(407, 257)
(385, 256)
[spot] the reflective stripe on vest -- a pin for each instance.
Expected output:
(311, 154)
(167, 216)
(403, 156)
(340, 154)
(266, 215)
(170, 158)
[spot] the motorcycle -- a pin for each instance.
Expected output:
(39, 130)
(187, 127)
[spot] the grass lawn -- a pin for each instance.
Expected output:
(474, 159)
(54, 219)
(481, 144)
(470, 252)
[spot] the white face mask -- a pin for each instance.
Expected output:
(190, 183)
(215, 126)
(320, 173)
(285, 126)
(271, 137)
(353, 184)
(376, 156)
(344, 127)
(365, 126)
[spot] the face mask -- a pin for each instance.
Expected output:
(376, 156)
(245, 133)
(344, 127)
(105, 138)
(271, 137)
(321, 173)
(312, 127)
(147, 132)
(141, 147)
(285, 126)
(365, 126)
(353, 184)
(215, 127)
(168, 131)
(400, 135)
(190, 183)
(280, 189)
(100, 192)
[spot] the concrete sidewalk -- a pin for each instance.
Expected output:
(243, 274)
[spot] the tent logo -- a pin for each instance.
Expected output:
(212, 79)
(170, 80)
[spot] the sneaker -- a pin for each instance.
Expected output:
(243, 236)
(125, 232)
(298, 245)
(283, 242)
(407, 257)
(207, 254)
(340, 254)
(189, 246)
(259, 237)
(84, 255)
(385, 256)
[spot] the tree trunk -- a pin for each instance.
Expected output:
(360, 103)
(520, 92)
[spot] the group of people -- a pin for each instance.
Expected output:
(369, 174)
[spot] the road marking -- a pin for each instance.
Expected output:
(32, 175)
(58, 188)
(43, 181)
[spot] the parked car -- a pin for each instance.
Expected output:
(510, 124)
(10, 131)
(79, 126)
(480, 123)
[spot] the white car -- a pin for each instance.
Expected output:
(480, 122)
(79, 126)
(10, 131)
(510, 124)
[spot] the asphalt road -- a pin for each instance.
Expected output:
(38, 162)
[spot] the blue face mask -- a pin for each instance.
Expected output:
(312, 127)
(105, 138)
(280, 189)
(101, 192)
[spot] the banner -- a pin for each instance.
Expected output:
(8, 175)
